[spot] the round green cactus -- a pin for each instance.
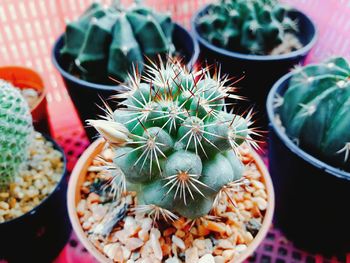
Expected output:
(247, 26)
(178, 156)
(108, 42)
(16, 130)
(315, 110)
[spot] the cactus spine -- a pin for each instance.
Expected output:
(174, 143)
(107, 42)
(247, 26)
(315, 110)
(16, 131)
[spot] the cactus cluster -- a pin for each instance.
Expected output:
(16, 131)
(315, 110)
(106, 42)
(174, 141)
(247, 26)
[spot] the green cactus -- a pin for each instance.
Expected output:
(177, 157)
(109, 42)
(246, 26)
(16, 131)
(315, 110)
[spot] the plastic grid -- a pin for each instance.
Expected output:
(30, 27)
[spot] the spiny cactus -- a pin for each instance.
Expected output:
(16, 130)
(246, 26)
(315, 110)
(173, 141)
(106, 42)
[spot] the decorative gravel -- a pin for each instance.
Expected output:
(123, 236)
(37, 179)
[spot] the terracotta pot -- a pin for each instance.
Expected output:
(78, 177)
(22, 77)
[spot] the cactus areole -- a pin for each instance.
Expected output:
(16, 131)
(174, 142)
(315, 110)
(259, 27)
(106, 42)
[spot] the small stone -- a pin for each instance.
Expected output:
(122, 236)
(173, 260)
(99, 211)
(143, 234)
(258, 184)
(207, 258)
(130, 226)
(219, 259)
(126, 253)
(199, 243)
(225, 244)
(133, 243)
(114, 252)
(260, 202)
(178, 242)
(191, 255)
(93, 198)
(4, 206)
(81, 207)
(155, 244)
(146, 224)
(228, 254)
(240, 248)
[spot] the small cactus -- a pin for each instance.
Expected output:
(107, 42)
(247, 26)
(173, 141)
(315, 110)
(16, 131)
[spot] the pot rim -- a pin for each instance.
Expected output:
(41, 86)
(299, 52)
(278, 88)
(79, 172)
(191, 63)
(63, 177)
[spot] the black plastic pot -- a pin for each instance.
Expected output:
(312, 204)
(86, 95)
(259, 71)
(40, 234)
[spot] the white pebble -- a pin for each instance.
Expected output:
(225, 244)
(240, 248)
(207, 258)
(178, 242)
(156, 245)
(219, 259)
(261, 203)
(258, 184)
(191, 255)
(173, 260)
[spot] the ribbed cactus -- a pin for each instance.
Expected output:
(107, 42)
(246, 26)
(16, 130)
(315, 110)
(173, 141)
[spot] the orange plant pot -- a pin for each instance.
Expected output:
(78, 178)
(22, 78)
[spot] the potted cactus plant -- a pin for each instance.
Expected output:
(175, 178)
(309, 118)
(33, 214)
(34, 91)
(98, 50)
(259, 39)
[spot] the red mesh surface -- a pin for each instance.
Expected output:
(29, 28)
